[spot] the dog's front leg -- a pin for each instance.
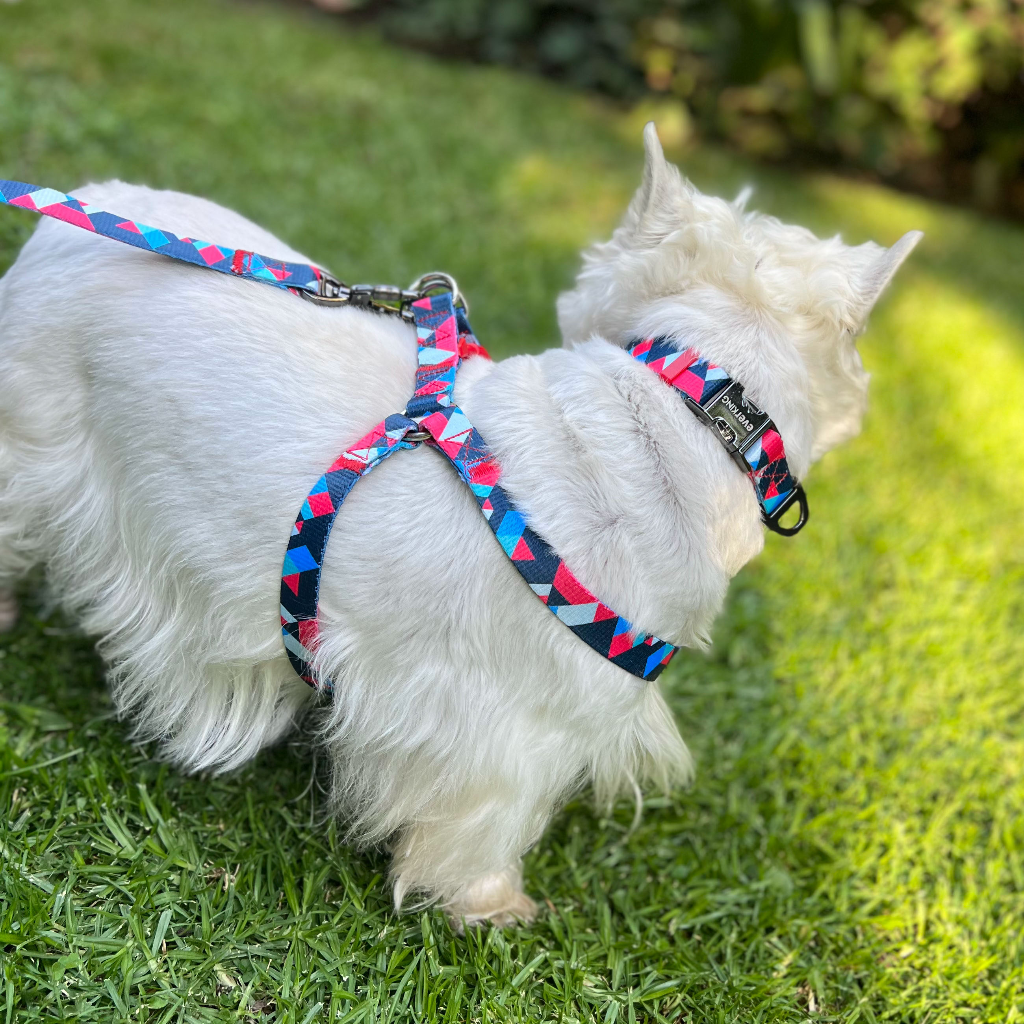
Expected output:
(497, 898)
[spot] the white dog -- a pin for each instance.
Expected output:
(160, 426)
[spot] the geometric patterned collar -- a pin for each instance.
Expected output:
(748, 435)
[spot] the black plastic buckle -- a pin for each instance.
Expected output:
(772, 521)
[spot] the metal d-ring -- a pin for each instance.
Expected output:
(416, 436)
(439, 279)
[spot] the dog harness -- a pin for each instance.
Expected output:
(431, 417)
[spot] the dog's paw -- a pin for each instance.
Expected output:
(8, 611)
(497, 899)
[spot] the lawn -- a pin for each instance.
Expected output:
(853, 846)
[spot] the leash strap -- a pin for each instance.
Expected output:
(302, 277)
(748, 434)
(444, 339)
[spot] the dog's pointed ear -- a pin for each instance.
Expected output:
(656, 206)
(882, 270)
(743, 197)
(891, 261)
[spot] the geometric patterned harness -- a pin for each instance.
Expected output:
(444, 339)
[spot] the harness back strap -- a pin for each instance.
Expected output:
(444, 338)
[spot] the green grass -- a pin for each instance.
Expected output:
(854, 841)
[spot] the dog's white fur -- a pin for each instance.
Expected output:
(160, 426)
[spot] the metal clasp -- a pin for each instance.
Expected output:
(329, 293)
(384, 298)
(439, 280)
(736, 418)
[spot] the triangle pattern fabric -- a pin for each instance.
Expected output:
(303, 560)
(238, 262)
(444, 338)
(699, 381)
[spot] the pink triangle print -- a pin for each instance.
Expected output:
(522, 552)
(69, 215)
(621, 643)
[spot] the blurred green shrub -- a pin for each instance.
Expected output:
(928, 94)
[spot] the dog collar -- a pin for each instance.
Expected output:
(749, 435)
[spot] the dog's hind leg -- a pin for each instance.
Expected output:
(19, 546)
(38, 412)
(468, 860)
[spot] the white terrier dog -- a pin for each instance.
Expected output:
(159, 427)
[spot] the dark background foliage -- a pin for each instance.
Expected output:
(925, 94)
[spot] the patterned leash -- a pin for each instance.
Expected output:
(305, 279)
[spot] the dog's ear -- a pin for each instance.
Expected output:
(660, 201)
(881, 271)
